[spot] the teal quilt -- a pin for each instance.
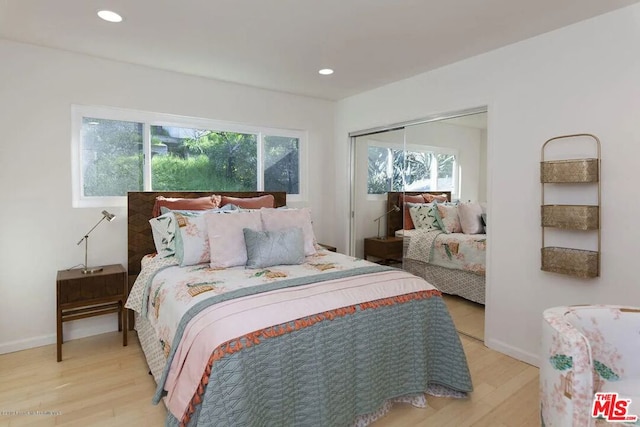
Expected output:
(327, 370)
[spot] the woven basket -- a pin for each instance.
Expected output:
(579, 170)
(573, 262)
(571, 217)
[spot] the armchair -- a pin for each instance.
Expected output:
(588, 349)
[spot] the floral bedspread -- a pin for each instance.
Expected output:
(455, 250)
(164, 292)
(177, 301)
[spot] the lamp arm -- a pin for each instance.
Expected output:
(393, 209)
(86, 236)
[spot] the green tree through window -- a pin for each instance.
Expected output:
(112, 159)
(392, 169)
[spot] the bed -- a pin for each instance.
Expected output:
(333, 341)
(454, 263)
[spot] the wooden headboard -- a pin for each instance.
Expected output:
(140, 206)
(395, 219)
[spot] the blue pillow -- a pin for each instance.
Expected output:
(225, 208)
(269, 248)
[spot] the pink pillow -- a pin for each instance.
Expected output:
(266, 201)
(192, 204)
(470, 215)
(435, 197)
(404, 199)
(227, 247)
(279, 219)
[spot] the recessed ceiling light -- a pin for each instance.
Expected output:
(110, 16)
(326, 71)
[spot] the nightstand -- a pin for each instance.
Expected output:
(81, 295)
(328, 247)
(386, 249)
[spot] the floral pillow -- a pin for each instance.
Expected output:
(192, 239)
(447, 217)
(423, 216)
(163, 228)
(226, 208)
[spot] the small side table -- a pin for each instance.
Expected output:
(81, 295)
(386, 249)
(328, 247)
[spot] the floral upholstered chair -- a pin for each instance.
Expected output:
(585, 350)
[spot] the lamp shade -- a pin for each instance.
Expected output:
(108, 216)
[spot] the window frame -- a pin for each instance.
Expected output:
(148, 119)
(457, 172)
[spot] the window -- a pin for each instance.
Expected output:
(414, 169)
(115, 151)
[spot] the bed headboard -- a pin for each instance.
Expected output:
(395, 219)
(139, 209)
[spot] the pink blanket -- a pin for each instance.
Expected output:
(235, 318)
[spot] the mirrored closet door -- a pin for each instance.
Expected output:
(378, 169)
(433, 171)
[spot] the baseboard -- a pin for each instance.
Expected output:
(25, 344)
(516, 353)
(69, 334)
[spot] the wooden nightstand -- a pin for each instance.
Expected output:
(81, 295)
(328, 247)
(386, 249)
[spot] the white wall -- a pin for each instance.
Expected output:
(582, 78)
(39, 228)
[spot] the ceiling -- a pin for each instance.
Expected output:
(281, 44)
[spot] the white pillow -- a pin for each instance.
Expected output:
(226, 237)
(470, 214)
(279, 219)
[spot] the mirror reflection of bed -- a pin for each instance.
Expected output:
(450, 153)
(444, 242)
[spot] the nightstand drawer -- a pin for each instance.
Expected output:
(89, 288)
(386, 249)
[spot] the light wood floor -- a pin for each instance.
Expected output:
(468, 316)
(101, 383)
